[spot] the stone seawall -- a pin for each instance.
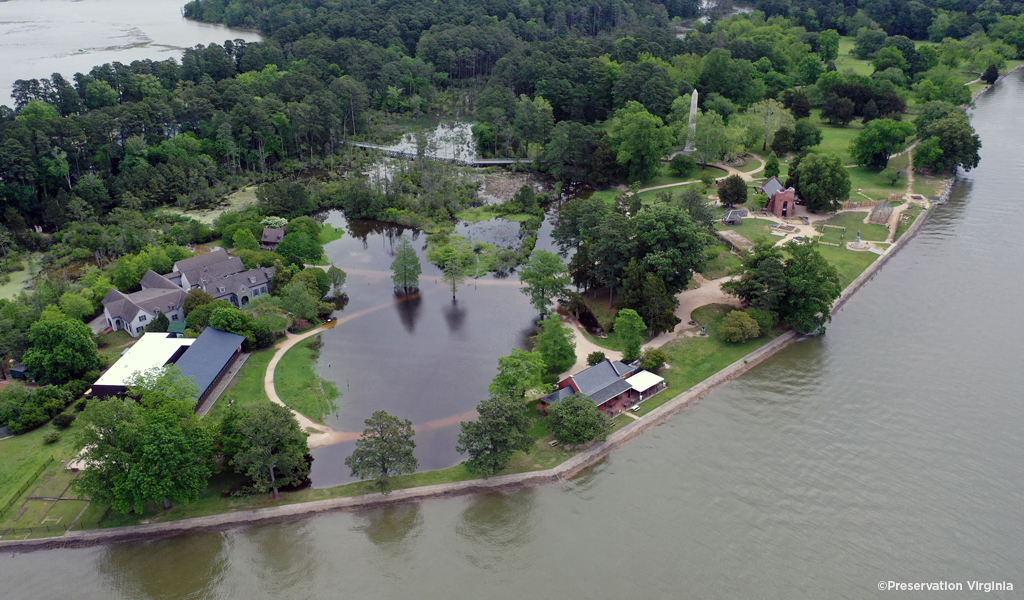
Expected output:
(568, 469)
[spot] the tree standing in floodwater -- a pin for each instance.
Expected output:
(406, 267)
(454, 274)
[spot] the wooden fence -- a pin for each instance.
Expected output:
(28, 483)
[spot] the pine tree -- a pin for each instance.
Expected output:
(406, 266)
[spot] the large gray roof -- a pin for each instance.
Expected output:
(772, 186)
(610, 391)
(272, 235)
(153, 280)
(207, 274)
(596, 378)
(232, 284)
(203, 260)
(153, 301)
(208, 355)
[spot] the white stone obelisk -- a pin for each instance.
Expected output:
(693, 124)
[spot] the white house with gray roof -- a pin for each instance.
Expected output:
(223, 277)
(133, 312)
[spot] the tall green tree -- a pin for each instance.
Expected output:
(611, 250)
(823, 181)
(268, 446)
(244, 240)
(669, 244)
(631, 329)
(337, 277)
(878, 140)
(150, 449)
(556, 345)
(812, 287)
(454, 273)
(711, 140)
(384, 449)
(646, 294)
(828, 45)
(762, 283)
(640, 140)
(569, 154)
(298, 300)
(772, 116)
(955, 144)
(577, 420)
(75, 304)
(733, 191)
(60, 351)
(546, 279)
(519, 373)
(406, 267)
(501, 429)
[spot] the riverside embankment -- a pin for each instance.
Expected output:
(564, 471)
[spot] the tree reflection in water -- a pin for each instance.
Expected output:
(408, 307)
(184, 567)
(495, 527)
(391, 530)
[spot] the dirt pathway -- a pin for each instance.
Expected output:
(709, 292)
(728, 171)
(584, 347)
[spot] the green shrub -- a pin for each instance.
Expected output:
(81, 404)
(765, 320)
(595, 358)
(51, 437)
(64, 420)
(738, 326)
(653, 360)
(681, 165)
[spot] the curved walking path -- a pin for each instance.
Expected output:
(728, 171)
(709, 292)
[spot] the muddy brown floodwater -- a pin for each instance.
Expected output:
(889, 449)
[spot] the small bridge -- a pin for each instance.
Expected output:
(466, 162)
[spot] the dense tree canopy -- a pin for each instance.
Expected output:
(384, 449)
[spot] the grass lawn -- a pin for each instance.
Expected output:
(753, 163)
(752, 228)
(849, 263)
(116, 342)
(836, 139)
(692, 360)
(665, 177)
(21, 456)
(928, 185)
(854, 221)
(721, 265)
(648, 198)
(329, 233)
(298, 386)
(247, 387)
(846, 60)
(869, 182)
(907, 219)
(486, 213)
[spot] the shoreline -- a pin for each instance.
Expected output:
(566, 470)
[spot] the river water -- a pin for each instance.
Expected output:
(41, 37)
(889, 449)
